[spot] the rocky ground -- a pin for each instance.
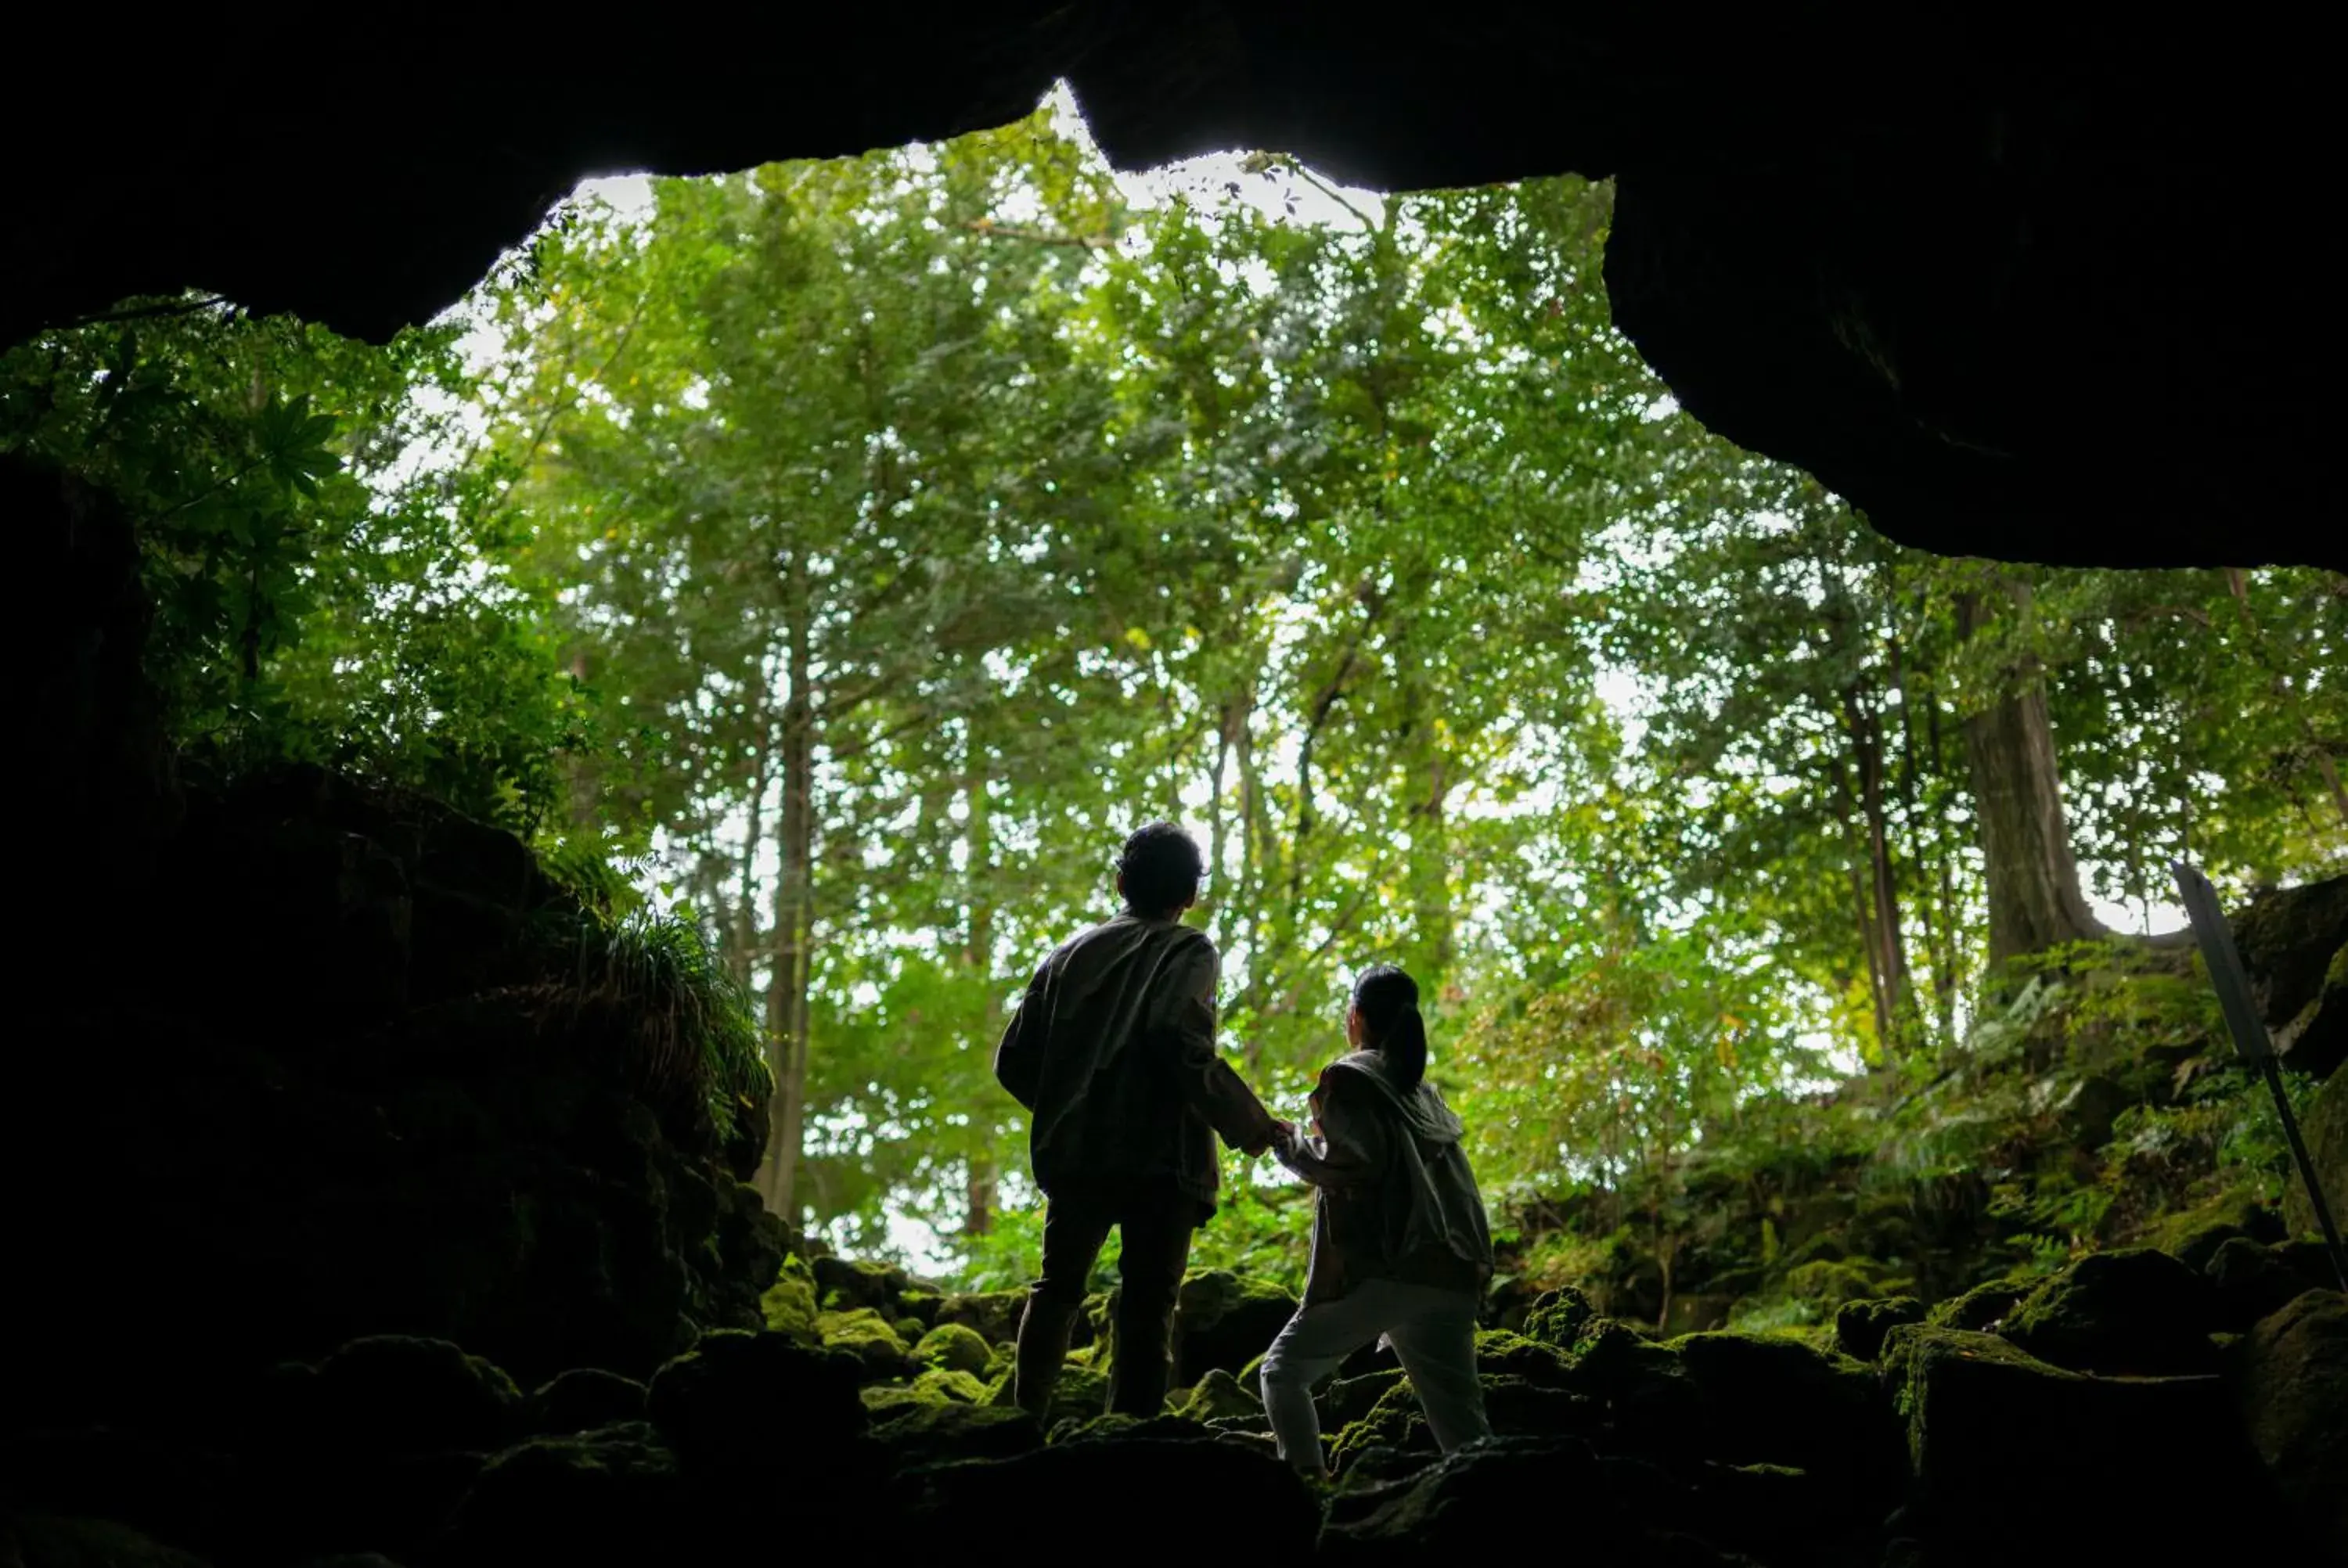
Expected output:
(338, 1254)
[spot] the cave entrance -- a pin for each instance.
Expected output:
(838, 557)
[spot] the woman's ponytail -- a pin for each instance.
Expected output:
(1388, 1001)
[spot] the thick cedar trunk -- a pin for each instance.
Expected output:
(2034, 902)
(786, 996)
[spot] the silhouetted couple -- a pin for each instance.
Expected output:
(1112, 1051)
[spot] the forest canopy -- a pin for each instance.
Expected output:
(844, 556)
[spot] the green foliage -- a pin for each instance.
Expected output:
(852, 551)
(697, 1039)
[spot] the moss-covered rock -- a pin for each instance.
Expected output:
(1467, 1508)
(2135, 1311)
(1223, 1320)
(937, 1386)
(1081, 1394)
(1347, 1399)
(1767, 1399)
(1859, 1325)
(741, 1397)
(2325, 1129)
(953, 1346)
(993, 1313)
(2292, 1387)
(1517, 1407)
(2016, 1459)
(868, 1338)
(617, 1495)
(2194, 1235)
(789, 1305)
(1088, 1491)
(1219, 1393)
(1394, 1422)
(1559, 1317)
(930, 1431)
(1981, 1308)
(920, 1303)
(583, 1400)
(1499, 1352)
(393, 1394)
(2251, 1283)
(1829, 1284)
(845, 1284)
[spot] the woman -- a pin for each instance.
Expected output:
(1401, 1252)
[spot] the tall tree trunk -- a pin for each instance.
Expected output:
(978, 951)
(1886, 949)
(2034, 902)
(787, 995)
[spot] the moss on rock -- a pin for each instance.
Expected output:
(932, 1432)
(1559, 1317)
(1859, 1325)
(2135, 1311)
(1981, 1308)
(1219, 1393)
(723, 1401)
(2013, 1457)
(615, 1495)
(864, 1335)
(1499, 1352)
(789, 1304)
(953, 1346)
(393, 1394)
(583, 1400)
(2292, 1383)
(992, 1314)
(1223, 1320)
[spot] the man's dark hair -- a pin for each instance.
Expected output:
(1161, 865)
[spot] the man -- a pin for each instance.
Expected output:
(1112, 1051)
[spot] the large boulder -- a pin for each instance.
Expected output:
(2292, 1383)
(843, 1284)
(2295, 948)
(866, 1337)
(2016, 1461)
(1981, 1308)
(956, 1346)
(584, 1399)
(739, 1398)
(1223, 1320)
(1558, 1317)
(617, 1495)
(1472, 1507)
(932, 1431)
(994, 1314)
(1769, 1400)
(2250, 1282)
(393, 1394)
(2135, 1311)
(1094, 1492)
(2325, 1128)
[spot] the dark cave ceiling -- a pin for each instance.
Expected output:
(2018, 285)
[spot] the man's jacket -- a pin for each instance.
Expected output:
(1112, 1051)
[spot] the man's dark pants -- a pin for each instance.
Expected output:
(1155, 1229)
